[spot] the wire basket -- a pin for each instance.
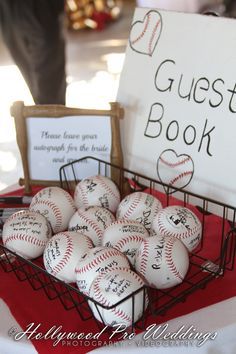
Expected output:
(207, 263)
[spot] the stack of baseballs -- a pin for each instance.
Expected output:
(110, 248)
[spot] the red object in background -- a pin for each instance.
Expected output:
(101, 19)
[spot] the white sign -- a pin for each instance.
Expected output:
(178, 89)
(54, 142)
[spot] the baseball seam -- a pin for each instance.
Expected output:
(26, 238)
(69, 199)
(55, 210)
(16, 215)
(181, 175)
(143, 31)
(84, 195)
(132, 207)
(143, 254)
(169, 259)
(95, 262)
(107, 188)
(152, 37)
(66, 257)
(158, 207)
(88, 241)
(92, 224)
(182, 162)
(112, 229)
(126, 240)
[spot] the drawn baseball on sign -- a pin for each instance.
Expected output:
(175, 170)
(145, 34)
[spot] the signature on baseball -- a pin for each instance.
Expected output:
(158, 257)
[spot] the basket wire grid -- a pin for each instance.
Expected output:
(205, 265)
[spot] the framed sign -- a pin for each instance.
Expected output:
(178, 89)
(49, 136)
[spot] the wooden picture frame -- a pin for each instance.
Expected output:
(20, 113)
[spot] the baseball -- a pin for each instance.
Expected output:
(26, 233)
(163, 261)
(92, 222)
(112, 287)
(62, 253)
(97, 191)
(56, 205)
(180, 222)
(139, 206)
(126, 236)
(96, 261)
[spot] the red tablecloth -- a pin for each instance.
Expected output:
(29, 306)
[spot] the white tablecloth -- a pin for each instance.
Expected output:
(7, 325)
(220, 317)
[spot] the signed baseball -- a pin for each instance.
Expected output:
(163, 261)
(92, 222)
(63, 252)
(96, 261)
(112, 287)
(139, 206)
(126, 236)
(56, 205)
(97, 191)
(179, 222)
(26, 233)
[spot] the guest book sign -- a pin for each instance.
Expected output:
(178, 89)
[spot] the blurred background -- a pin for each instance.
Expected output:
(96, 37)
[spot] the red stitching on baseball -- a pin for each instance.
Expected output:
(169, 260)
(107, 188)
(99, 259)
(158, 207)
(133, 205)
(152, 37)
(84, 195)
(181, 175)
(66, 257)
(92, 224)
(174, 164)
(143, 254)
(17, 215)
(27, 238)
(144, 30)
(56, 211)
(126, 240)
(126, 222)
(69, 199)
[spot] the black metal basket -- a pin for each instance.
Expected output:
(205, 265)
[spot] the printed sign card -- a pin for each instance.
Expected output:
(51, 136)
(54, 144)
(178, 89)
